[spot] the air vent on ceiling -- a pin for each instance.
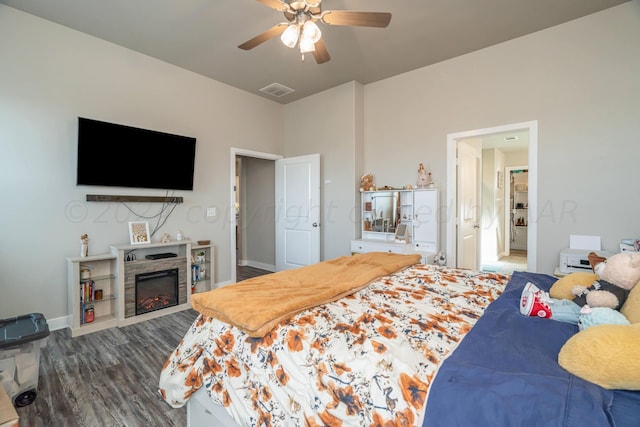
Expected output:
(277, 90)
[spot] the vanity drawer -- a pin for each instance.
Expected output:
(425, 247)
(358, 246)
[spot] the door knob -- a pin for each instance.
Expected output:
(476, 226)
(315, 224)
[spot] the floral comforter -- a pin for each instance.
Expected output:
(367, 359)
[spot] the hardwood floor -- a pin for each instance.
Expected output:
(107, 378)
(110, 377)
(246, 272)
(516, 261)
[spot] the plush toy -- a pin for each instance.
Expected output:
(604, 335)
(616, 277)
(600, 316)
(366, 182)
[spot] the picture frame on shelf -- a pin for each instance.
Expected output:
(402, 234)
(139, 232)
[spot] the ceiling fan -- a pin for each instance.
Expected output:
(301, 30)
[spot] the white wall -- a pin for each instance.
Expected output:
(51, 75)
(579, 80)
(329, 123)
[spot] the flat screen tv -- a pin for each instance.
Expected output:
(115, 155)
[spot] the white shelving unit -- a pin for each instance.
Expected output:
(202, 267)
(520, 219)
(114, 274)
(102, 274)
(383, 210)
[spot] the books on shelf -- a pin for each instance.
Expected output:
(87, 289)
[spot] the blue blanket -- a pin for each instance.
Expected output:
(505, 373)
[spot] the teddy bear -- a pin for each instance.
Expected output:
(366, 182)
(604, 333)
(617, 275)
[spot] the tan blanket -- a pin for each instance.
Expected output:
(257, 305)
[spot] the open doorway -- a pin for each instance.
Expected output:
(500, 147)
(277, 215)
(253, 207)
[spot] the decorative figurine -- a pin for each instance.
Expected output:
(423, 179)
(430, 184)
(165, 238)
(84, 245)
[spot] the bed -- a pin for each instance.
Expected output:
(420, 345)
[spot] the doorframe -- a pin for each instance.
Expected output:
(232, 196)
(452, 185)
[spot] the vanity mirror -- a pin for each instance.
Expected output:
(381, 209)
(399, 221)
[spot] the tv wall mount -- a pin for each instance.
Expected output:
(133, 199)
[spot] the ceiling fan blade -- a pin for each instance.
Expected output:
(273, 4)
(361, 19)
(272, 32)
(320, 54)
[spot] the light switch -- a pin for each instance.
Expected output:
(211, 211)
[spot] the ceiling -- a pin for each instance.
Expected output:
(203, 35)
(507, 142)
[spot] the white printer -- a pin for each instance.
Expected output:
(572, 260)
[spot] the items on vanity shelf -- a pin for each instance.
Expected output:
(366, 183)
(424, 178)
(399, 221)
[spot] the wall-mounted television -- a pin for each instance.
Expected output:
(115, 155)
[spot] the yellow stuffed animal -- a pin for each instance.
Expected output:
(618, 346)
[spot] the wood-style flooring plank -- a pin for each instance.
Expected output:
(110, 377)
(107, 378)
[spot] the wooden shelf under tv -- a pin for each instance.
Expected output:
(132, 199)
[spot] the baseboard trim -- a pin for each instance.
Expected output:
(59, 323)
(260, 265)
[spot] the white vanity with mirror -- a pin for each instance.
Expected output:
(399, 221)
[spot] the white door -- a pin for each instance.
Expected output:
(469, 156)
(297, 211)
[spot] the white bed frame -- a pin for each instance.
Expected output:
(202, 412)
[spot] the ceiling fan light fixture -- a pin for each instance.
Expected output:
(306, 44)
(290, 36)
(300, 29)
(311, 31)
